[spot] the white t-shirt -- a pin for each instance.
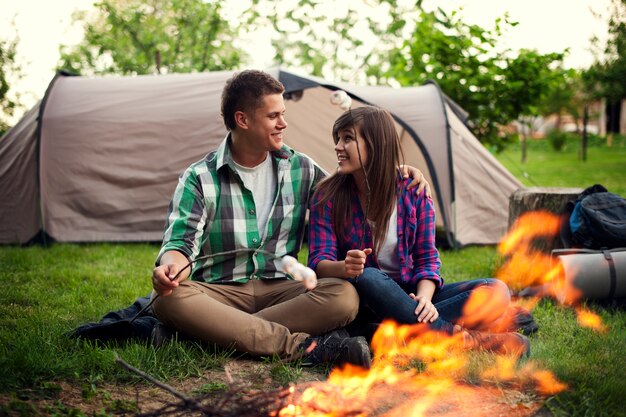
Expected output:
(261, 181)
(388, 253)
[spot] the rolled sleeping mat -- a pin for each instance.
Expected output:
(594, 274)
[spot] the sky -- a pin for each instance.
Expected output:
(545, 25)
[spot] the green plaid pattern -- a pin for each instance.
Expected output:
(212, 211)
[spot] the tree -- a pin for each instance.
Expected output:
(564, 97)
(385, 42)
(153, 36)
(9, 69)
(325, 38)
(606, 78)
(496, 87)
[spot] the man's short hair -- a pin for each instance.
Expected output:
(245, 91)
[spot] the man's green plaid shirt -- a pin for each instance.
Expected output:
(212, 211)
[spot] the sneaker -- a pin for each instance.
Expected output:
(336, 349)
(502, 343)
(161, 334)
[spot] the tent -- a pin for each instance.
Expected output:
(98, 158)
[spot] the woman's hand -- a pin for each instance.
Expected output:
(355, 262)
(425, 311)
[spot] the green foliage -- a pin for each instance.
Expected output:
(494, 87)
(386, 42)
(9, 71)
(154, 36)
(606, 78)
(321, 37)
(566, 95)
(558, 140)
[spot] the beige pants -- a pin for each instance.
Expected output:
(260, 317)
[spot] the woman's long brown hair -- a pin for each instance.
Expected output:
(376, 128)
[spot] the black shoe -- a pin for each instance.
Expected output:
(510, 343)
(524, 322)
(336, 349)
(161, 334)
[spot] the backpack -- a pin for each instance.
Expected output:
(597, 220)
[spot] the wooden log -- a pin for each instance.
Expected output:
(550, 199)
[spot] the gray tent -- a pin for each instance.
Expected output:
(98, 158)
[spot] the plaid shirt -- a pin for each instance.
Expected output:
(418, 257)
(212, 211)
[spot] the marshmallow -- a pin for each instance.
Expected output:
(299, 272)
(341, 98)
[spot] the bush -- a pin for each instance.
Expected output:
(558, 140)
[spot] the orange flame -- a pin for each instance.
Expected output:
(414, 371)
(417, 371)
(591, 320)
(526, 265)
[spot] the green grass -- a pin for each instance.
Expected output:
(53, 290)
(49, 291)
(546, 167)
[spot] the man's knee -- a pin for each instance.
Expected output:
(341, 297)
(165, 307)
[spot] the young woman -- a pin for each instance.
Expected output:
(367, 228)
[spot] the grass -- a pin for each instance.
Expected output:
(546, 167)
(49, 291)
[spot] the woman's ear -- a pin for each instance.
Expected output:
(241, 120)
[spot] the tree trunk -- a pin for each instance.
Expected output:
(548, 199)
(583, 147)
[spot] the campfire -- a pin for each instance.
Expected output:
(419, 372)
(527, 266)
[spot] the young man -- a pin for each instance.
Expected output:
(249, 198)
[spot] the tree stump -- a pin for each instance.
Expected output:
(548, 199)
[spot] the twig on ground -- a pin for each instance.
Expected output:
(238, 401)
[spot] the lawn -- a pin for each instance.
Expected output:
(49, 291)
(546, 167)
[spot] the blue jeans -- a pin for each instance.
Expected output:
(383, 298)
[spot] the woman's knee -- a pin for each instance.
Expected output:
(372, 279)
(499, 289)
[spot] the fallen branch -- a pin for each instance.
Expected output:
(238, 401)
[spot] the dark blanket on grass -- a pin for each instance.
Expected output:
(121, 325)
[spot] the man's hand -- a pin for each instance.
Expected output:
(355, 261)
(418, 179)
(425, 311)
(163, 280)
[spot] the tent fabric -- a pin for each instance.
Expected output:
(99, 158)
(19, 217)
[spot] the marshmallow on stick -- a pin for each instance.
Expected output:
(299, 272)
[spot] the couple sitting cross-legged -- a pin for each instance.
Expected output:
(244, 205)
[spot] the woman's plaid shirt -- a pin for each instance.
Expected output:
(212, 211)
(418, 257)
